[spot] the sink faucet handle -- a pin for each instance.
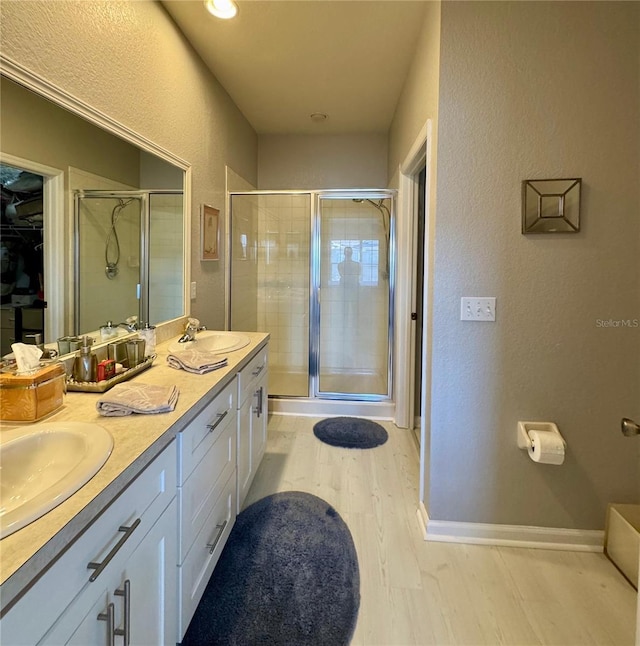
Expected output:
(193, 323)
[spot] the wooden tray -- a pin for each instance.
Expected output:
(103, 386)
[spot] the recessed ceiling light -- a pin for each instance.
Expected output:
(224, 9)
(318, 117)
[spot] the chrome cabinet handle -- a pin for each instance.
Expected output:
(220, 416)
(109, 617)
(259, 394)
(258, 370)
(214, 543)
(126, 593)
(99, 567)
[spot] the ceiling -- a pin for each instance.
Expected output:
(282, 60)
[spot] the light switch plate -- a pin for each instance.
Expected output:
(193, 290)
(478, 308)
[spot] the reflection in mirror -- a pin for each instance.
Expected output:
(123, 238)
(77, 155)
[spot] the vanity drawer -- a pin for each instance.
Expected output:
(202, 432)
(144, 499)
(195, 572)
(250, 374)
(199, 493)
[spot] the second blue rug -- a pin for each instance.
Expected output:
(350, 432)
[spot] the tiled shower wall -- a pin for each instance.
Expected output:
(283, 286)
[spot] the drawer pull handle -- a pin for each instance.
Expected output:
(126, 593)
(258, 370)
(214, 543)
(99, 567)
(220, 416)
(109, 617)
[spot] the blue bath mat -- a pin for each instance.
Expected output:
(350, 432)
(287, 576)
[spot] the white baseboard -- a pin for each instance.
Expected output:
(550, 538)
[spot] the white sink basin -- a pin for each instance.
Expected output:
(41, 465)
(211, 341)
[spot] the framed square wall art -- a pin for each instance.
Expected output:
(209, 233)
(551, 205)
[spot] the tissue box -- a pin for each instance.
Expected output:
(28, 398)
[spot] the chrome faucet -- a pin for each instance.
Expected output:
(191, 328)
(131, 324)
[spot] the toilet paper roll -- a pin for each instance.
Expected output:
(546, 447)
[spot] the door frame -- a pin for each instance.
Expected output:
(53, 224)
(315, 304)
(420, 155)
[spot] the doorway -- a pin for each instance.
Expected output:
(419, 302)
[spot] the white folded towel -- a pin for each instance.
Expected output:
(132, 397)
(197, 361)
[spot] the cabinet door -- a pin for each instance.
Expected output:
(259, 426)
(245, 449)
(252, 437)
(152, 590)
(142, 594)
(85, 622)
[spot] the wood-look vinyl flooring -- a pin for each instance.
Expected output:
(416, 592)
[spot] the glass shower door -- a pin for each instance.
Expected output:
(353, 276)
(270, 266)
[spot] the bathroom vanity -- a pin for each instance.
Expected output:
(128, 556)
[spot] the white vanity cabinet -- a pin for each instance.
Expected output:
(206, 498)
(117, 579)
(252, 420)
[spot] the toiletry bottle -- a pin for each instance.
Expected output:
(86, 363)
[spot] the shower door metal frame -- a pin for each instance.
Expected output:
(314, 282)
(316, 294)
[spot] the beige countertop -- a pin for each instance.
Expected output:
(138, 439)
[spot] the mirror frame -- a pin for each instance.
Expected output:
(56, 226)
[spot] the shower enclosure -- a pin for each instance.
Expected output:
(315, 270)
(122, 239)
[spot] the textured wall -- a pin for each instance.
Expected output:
(531, 90)
(322, 161)
(128, 60)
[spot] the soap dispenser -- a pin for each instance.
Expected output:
(108, 331)
(86, 363)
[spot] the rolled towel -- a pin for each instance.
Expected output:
(128, 398)
(197, 361)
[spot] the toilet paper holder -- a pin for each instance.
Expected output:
(524, 441)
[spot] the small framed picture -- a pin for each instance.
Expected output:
(209, 233)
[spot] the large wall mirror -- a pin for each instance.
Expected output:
(93, 226)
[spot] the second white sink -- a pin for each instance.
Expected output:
(41, 465)
(211, 341)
